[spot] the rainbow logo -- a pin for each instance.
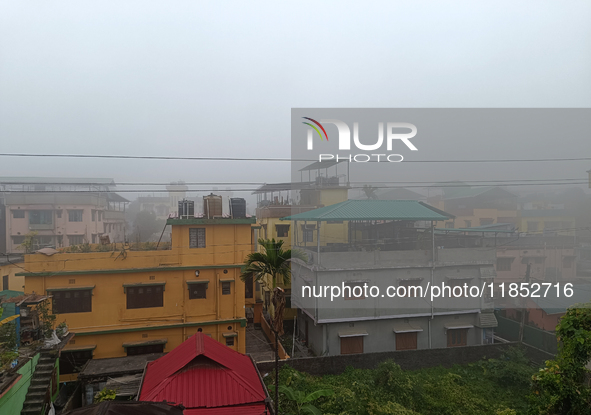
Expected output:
(314, 127)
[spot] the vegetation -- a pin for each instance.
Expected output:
(46, 318)
(105, 395)
(563, 386)
(303, 401)
(488, 387)
(7, 344)
(146, 224)
(29, 242)
(273, 261)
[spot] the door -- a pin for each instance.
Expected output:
(5, 282)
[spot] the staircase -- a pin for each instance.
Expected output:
(35, 401)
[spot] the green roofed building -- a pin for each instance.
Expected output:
(369, 290)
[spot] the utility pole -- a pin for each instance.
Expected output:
(524, 309)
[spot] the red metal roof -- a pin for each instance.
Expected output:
(258, 409)
(202, 373)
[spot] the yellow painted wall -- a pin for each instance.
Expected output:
(498, 216)
(567, 223)
(110, 324)
(329, 233)
(15, 283)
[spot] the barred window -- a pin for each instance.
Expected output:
(197, 238)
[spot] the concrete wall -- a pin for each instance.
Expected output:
(408, 359)
(401, 259)
(323, 339)
(326, 309)
(13, 399)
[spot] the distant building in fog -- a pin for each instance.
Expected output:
(62, 211)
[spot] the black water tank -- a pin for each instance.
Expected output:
(238, 207)
(186, 209)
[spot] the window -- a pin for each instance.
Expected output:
(308, 235)
(197, 291)
(288, 301)
(40, 217)
(75, 215)
(352, 345)
(93, 238)
(75, 239)
(99, 214)
(249, 287)
(282, 231)
(58, 213)
(406, 341)
(457, 337)
(355, 291)
(504, 264)
(458, 282)
(411, 292)
(145, 297)
(18, 214)
(73, 362)
(532, 226)
(5, 282)
(93, 215)
(147, 349)
(486, 221)
(226, 288)
(449, 225)
(468, 223)
(17, 240)
(197, 238)
(72, 301)
(42, 240)
(229, 341)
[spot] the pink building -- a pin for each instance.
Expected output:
(552, 259)
(63, 212)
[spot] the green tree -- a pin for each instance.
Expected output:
(29, 242)
(273, 261)
(303, 401)
(145, 225)
(563, 386)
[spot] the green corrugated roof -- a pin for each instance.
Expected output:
(373, 210)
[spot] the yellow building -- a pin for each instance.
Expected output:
(10, 265)
(546, 221)
(136, 302)
(269, 213)
(476, 206)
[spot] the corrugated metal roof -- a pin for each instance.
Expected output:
(487, 320)
(202, 373)
(374, 210)
(258, 409)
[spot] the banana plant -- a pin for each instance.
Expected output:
(303, 401)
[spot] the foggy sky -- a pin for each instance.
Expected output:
(191, 78)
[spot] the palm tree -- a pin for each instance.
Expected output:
(276, 262)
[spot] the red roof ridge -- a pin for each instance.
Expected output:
(164, 377)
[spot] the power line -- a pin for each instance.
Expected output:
(255, 189)
(455, 183)
(275, 159)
